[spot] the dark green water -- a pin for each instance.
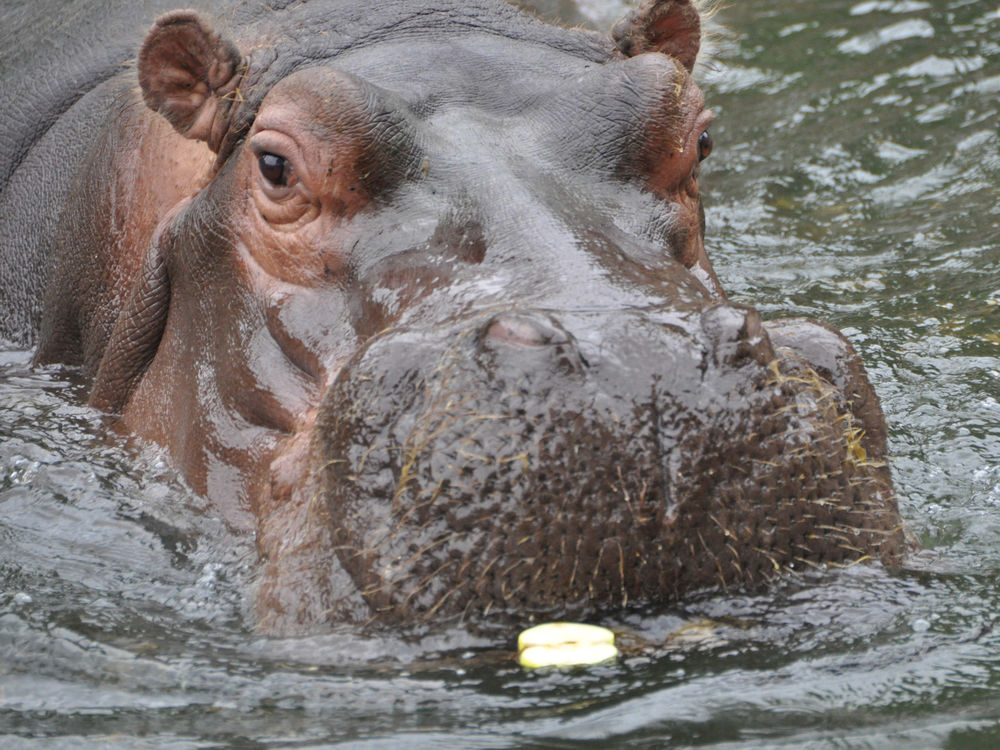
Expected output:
(855, 179)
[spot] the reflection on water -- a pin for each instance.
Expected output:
(855, 180)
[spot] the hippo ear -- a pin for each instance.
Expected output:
(186, 71)
(672, 27)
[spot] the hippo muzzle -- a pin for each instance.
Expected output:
(535, 463)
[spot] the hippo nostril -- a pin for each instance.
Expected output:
(735, 334)
(529, 342)
(521, 330)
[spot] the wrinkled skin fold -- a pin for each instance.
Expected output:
(418, 295)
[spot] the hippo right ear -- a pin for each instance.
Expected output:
(186, 71)
(672, 27)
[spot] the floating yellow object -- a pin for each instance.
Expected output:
(565, 644)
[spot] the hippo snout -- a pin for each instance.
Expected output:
(554, 463)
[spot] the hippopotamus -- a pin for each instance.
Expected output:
(417, 292)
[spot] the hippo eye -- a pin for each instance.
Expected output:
(275, 169)
(704, 146)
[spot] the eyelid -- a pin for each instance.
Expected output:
(277, 143)
(701, 125)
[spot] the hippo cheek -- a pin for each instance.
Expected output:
(500, 468)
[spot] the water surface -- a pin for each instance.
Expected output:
(855, 180)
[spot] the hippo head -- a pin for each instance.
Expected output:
(440, 315)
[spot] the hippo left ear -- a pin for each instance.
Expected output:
(187, 72)
(672, 27)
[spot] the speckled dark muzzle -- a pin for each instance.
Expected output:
(558, 463)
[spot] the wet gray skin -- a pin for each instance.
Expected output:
(503, 381)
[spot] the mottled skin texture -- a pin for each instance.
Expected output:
(417, 293)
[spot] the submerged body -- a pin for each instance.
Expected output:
(423, 288)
